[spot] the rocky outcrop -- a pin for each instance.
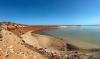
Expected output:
(27, 46)
(12, 47)
(29, 39)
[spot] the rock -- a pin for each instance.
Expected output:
(11, 48)
(0, 49)
(0, 39)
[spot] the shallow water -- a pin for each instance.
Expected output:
(84, 36)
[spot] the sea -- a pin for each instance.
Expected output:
(86, 37)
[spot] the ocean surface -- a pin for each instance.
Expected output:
(86, 37)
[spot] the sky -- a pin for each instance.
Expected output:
(51, 12)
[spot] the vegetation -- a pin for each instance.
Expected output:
(1, 37)
(0, 25)
(71, 47)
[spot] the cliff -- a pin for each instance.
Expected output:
(27, 46)
(12, 47)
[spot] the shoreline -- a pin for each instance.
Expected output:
(48, 43)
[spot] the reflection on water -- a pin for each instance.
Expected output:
(85, 35)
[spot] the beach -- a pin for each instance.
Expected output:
(39, 43)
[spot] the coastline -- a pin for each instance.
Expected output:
(43, 44)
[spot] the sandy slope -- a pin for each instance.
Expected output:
(42, 41)
(11, 47)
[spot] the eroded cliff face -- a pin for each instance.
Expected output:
(12, 47)
(27, 46)
(42, 41)
(29, 39)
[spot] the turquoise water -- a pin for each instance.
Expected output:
(81, 35)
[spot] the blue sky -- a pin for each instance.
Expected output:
(51, 12)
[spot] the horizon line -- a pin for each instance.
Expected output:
(52, 24)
